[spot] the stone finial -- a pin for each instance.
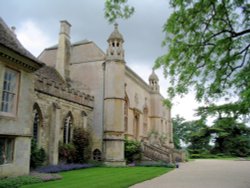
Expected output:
(13, 29)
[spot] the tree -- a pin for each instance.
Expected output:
(208, 48)
(192, 133)
(231, 137)
(117, 9)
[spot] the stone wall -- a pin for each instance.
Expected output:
(55, 103)
(19, 126)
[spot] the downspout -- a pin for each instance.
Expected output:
(103, 97)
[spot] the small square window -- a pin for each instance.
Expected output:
(6, 150)
(9, 91)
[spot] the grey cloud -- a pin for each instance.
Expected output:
(142, 33)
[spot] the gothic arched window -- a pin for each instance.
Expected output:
(36, 122)
(67, 129)
(126, 106)
(145, 120)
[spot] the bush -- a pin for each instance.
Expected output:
(81, 141)
(67, 153)
(63, 167)
(18, 181)
(37, 156)
(132, 151)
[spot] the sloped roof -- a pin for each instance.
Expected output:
(50, 73)
(9, 40)
(153, 76)
(115, 35)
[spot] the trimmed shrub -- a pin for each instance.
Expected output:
(67, 153)
(37, 156)
(16, 182)
(81, 141)
(132, 150)
(63, 167)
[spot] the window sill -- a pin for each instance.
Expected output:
(8, 116)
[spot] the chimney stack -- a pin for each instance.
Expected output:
(63, 51)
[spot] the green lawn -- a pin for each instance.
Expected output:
(103, 177)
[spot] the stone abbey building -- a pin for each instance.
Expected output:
(82, 86)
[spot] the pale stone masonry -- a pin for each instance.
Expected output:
(16, 101)
(80, 86)
(124, 105)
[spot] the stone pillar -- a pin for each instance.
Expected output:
(114, 113)
(114, 80)
(54, 134)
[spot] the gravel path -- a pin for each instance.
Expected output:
(204, 174)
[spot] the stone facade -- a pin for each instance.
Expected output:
(124, 105)
(80, 86)
(60, 105)
(16, 100)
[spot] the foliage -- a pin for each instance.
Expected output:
(189, 132)
(104, 177)
(208, 44)
(67, 153)
(178, 131)
(208, 48)
(63, 167)
(81, 141)
(199, 140)
(46, 176)
(16, 182)
(163, 138)
(37, 155)
(117, 9)
(234, 110)
(132, 150)
(231, 137)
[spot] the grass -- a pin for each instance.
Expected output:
(103, 177)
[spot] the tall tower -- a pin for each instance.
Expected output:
(153, 82)
(156, 102)
(114, 75)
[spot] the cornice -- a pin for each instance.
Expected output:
(18, 60)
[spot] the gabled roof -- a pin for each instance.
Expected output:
(81, 52)
(9, 43)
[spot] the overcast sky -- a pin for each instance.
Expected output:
(37, 27)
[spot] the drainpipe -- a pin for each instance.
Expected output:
(103, 97)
